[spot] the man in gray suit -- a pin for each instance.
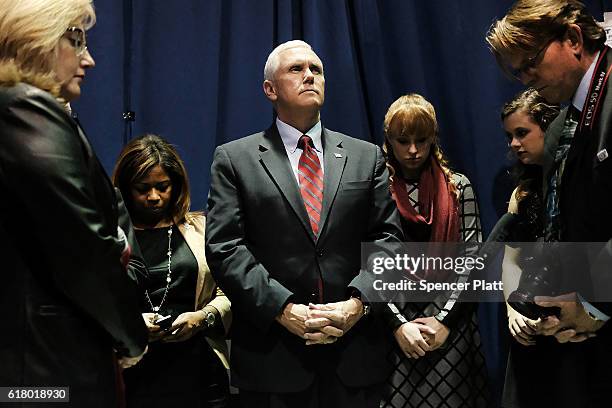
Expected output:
(288, 211)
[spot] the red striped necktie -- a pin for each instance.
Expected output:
(310, 176)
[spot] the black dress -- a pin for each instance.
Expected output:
(186, 373)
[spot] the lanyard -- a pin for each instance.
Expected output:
(596, 90)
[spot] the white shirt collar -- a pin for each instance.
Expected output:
(291, 135)
(583, 89)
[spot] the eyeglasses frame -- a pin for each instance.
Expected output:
(80, 49)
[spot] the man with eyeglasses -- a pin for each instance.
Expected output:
(557, 47)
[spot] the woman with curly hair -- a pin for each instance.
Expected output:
(525, 119)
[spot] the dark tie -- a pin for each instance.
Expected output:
(552, 228)
(310, 176)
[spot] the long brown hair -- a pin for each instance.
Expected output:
(413, 114)
(138, 157)
(528, 177)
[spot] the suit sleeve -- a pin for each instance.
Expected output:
(383, 228)
(137, 268)
(78, 244)
(253, 292)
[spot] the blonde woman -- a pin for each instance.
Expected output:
(70, 308)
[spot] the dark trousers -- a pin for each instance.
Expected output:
(326, 391)
(184, 374)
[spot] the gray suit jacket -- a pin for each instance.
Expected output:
(262, 252)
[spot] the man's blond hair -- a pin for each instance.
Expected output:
(530, 23)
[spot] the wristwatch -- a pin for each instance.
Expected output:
(366, 306)
(209, 319)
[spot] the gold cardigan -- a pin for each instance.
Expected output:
(207, 291)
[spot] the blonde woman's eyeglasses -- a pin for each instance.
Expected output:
(77, 39)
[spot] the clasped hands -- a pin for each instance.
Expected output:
(574, 323)
(420, 336)
(321, 323)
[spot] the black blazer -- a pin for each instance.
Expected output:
(262, 252)
(582, 370)
(586, 194)
(66, 300)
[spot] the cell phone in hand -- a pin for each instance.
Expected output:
(164, 322)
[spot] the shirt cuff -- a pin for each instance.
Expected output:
(592, 310)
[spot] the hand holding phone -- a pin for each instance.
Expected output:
(164, 322)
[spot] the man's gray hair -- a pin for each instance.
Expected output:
(273, 62)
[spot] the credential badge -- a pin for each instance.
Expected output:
(602, 155)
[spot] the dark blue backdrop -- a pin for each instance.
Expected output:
(192, 71)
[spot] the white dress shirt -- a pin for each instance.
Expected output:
(291, 136)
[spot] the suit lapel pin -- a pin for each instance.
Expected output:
(338, 155)
(602, 155)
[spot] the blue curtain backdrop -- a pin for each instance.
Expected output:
(192, 71)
